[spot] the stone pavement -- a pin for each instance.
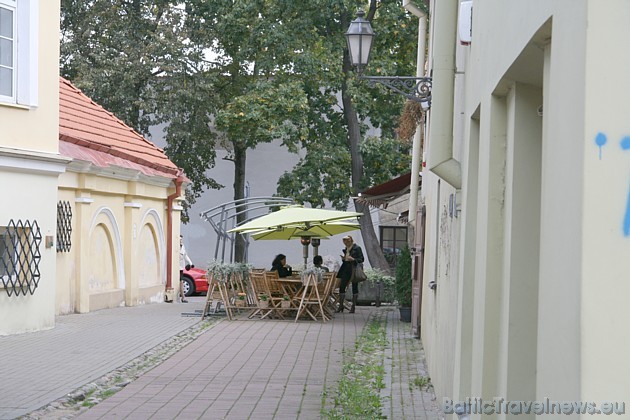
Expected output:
(234, 370)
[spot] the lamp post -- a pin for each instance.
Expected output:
(360, 36)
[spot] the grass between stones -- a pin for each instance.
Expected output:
(358, 393)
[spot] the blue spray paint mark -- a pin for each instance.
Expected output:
(600, 140)
(625, 145)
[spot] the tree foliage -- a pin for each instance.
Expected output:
(134, 58)
(234, 74)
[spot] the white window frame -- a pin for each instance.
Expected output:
(11, 6)
(25, 52)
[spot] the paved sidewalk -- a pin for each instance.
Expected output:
(38, 368)
(261, 369)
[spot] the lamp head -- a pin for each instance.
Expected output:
(359, 37)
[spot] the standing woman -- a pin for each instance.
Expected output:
(352, 256)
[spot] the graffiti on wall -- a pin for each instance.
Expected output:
(601, 140)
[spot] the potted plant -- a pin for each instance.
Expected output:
(403, 284)
(286, 302)
(240, 302)
(263, 301)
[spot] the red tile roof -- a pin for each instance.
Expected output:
(96, 135)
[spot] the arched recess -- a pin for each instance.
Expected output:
(152, 224)
(104, 222)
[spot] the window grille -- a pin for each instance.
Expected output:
(64, 226)
(19, 257)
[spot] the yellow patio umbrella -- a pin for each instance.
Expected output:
(323, 230)
(305, 217)
(300, 222)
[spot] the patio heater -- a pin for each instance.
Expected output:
(306, 241)
(315, 242)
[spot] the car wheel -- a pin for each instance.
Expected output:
(188, 286)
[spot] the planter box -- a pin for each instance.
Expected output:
(263, 303)
(285, 304)
(405, 313)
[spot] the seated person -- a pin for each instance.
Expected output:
(280, 265)
(318, 261)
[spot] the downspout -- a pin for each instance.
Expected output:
(416, 151)
(169, 227)
(440, 159)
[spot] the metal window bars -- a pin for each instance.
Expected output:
(19, 257)
(64, 226)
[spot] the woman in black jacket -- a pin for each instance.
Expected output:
(352, 255)
(280, 265)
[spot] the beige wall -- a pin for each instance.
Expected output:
(605, 219)
(29, 166)
(118, 254)
(542, 279)
(38, 128)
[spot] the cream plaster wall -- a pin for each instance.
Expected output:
(37, 202)
(29, 167)
(38, 128)
(605, 219)
(540, 282)
(118, 254)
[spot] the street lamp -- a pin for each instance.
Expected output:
(360, 36)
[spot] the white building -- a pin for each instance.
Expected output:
(529, 131)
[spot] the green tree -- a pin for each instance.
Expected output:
(279, 69)
(134, 58)
(340, 161)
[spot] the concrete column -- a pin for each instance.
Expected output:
(490, 239)
(519, 319)
(82, 245)
(131, 260)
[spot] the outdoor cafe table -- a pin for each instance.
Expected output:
(313, 293)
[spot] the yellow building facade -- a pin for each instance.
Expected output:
(91, 211)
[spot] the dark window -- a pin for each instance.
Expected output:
(393, 240)
(19, 257)
(64, 226)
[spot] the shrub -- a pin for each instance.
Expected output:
(403, 277)
(375, 275)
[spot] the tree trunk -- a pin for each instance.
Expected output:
(370, 241)
(240, 158)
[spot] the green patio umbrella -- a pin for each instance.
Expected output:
(295, 216)
(300, 222)
(322, 230)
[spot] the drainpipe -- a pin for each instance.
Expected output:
(169, 227)
(440, 159)
(416, 151)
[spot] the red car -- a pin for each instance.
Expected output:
(194, 281)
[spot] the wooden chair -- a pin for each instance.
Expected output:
(259, 287)
(275, 289)
(311, 301)
(214, 299)
(236, 294)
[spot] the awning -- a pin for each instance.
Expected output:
(382, 194)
